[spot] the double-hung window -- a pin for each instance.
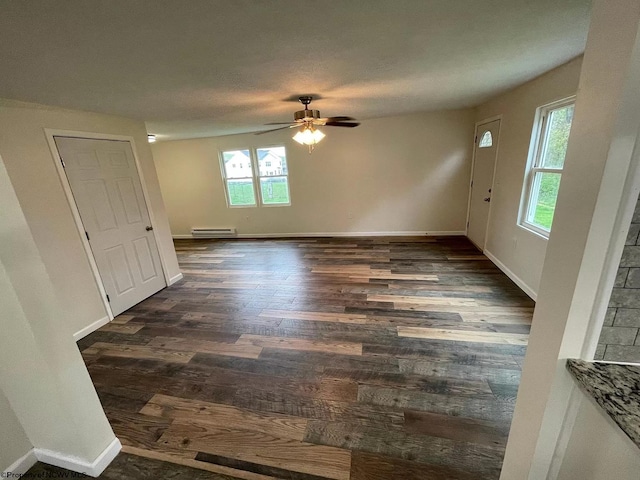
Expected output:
(255, 177)
(546, 161)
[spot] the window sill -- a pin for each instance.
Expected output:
(536, 232)
(270, 205)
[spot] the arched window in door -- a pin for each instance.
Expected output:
(486, 140)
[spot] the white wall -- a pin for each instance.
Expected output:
(14, 443)
(42, 373)
(398, 174)
(595, 205)
(598, 448)
(28, 159)
(517, 248)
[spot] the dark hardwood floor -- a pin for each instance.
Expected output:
(323, 358)
(128, 467)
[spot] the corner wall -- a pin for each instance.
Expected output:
(398, 174)
(521, 251)
(42, 374)
(29, 162)
(14, 443)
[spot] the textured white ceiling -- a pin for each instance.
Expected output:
(194, 68)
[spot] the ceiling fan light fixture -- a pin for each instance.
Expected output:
(308, 136)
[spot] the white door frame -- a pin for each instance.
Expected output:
(493, 176)
(64, 181)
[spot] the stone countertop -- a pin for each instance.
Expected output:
(616, 388)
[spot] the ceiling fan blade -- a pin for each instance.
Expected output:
(342, 124)
(324, 121)
(275, 129)
(338, 119)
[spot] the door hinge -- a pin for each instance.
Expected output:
(108, 299)
(62, 162)
(472, 183)
(87, 235)
(475, 140)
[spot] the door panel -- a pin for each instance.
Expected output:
(101, 209)
(107, 190)
(485, 150)
(120, 269)
(127, 197)
(145, 259)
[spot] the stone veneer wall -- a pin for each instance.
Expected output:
(619, 340)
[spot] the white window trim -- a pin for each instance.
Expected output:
(536, 148)
(255, 178)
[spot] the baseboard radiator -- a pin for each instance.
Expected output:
(213, 232)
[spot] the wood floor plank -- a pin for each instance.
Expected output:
(457, 428)
(255, 467)
(375, 466)
(122, 319)
(420, 448)
(188, 462)
(459, 308)
(128, 328)
(463, 336)
(489, 317)
(255, 447)
(141, 431)
(449, 301)
(315, 316)
(485, 373)
(194, 411)
(284, 343)
(480, 407)
(139, 351)
(205, 346)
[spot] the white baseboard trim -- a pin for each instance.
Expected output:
(20, 466)
(90, 328)
(517, 280)
(75, 464)
(175, 279)
(408, 233)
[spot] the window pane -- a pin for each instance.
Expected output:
(237, 163)
(557, 137)
(544, 194)
(241, 192)
(486, 140)
(272, 161)
(274, 190)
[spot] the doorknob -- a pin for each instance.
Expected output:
(487, 199)
(149, 228)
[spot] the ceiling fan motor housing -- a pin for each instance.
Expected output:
(306, 115)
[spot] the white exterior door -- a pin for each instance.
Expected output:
(107, 190)
(485, 150)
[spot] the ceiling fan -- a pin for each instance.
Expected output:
(308, 121)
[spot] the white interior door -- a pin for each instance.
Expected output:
(107, 190)
(486, 148)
